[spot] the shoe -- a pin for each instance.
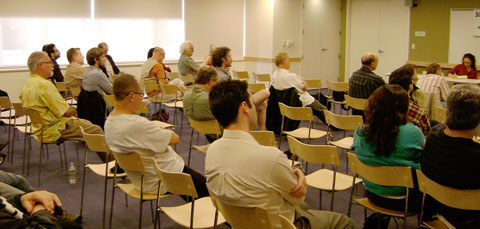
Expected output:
(3, 144)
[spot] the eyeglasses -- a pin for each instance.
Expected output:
(46, 62)
(139, 93)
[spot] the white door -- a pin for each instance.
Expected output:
(381, 27)
(321, 39)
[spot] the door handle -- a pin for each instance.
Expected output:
(324, 49)
(380, 51)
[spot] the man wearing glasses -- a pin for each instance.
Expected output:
(186, 64)
(54, 54)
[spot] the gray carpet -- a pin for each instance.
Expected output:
(55, 179)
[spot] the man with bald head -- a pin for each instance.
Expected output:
(364, 81)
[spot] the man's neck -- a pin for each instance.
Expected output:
(204, 86)
(282, 67)
(238, 126)
(469, 134)
(370, 68)
(121, 109)
(36, 73)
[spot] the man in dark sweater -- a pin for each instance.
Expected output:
(450, 155)
(364, 82)
(54, 54)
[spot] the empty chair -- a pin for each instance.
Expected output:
(255, 87)
(25, 129)
(241, 75)
(207, 127)
(265, 138)
(263, 78)
(12, 119)
(355, 103)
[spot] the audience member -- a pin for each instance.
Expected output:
(450, 156)
(186, 64)
(222, 61)
(433, 82)
(54, 54)
(267, 181)
(416, 94)
(284, 79)
(74, 73)
(416, 114)
(59, 118)
(110, 67)
(152, 70)
(468, 67)
(387, 139)
(126, 132)
(208, 59)
(364, 81)
(165, 67)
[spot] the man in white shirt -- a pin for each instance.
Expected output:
(283, 79)
(243, 173)
(434, 82)
(126, 132)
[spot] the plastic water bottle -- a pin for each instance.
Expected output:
(72, 174)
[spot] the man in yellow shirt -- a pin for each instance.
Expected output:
(39, 94)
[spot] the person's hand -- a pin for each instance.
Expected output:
(47, 199)
(70, 112)
(301, 188)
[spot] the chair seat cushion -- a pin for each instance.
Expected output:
(302, 132)
(323, 179)
(204, 214)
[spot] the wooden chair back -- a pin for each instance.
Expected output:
(95, 142)
(264, 138)
(441, 114)
(242, 75)
(466, 199)
(61, 86)
(109, 100)
(176, 183)
(168, 89)
(151, 85)
(130, 162)
(313, 83)
(188, 78)
(265, 77)
(243, 217)
(143, 108)
(34, 116)
(174, 75)
(255, 87)
(343, 122)
(337, 86)
(319, 154)
(205, 127)
(75, 91)
(382, 175)
(356, 103)
(5, 102)
(296, 113)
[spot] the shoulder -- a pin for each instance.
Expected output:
(410, 131)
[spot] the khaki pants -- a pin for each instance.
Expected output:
(72, 130)
(324, 219)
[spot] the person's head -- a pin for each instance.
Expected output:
(51, 51)
(39, 63)
(386, 111)
(370, 60)
(221, 57)
(104, 46)
(469, 61)
(463, 105)
(403, 78)
(211, 48)
(96, 57)
(282, 60)
(231, 104)
(128, 92)
(434, 68)
(206, 76)
(413, 71)
(187, 48)
(74, 55)
(158, 54)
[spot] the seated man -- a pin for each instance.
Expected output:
(450, 155)
(283, 79)
(126, 132)
(186, 64)
(74, 73)
(41, 95)
(243, 173)
(110, 67)
(416, 114)
(434, 82)
(54, 54)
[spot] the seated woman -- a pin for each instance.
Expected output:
(416, 94)
(468, 67)
(91, 105)
(388, 140)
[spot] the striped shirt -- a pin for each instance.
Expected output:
(432, 83)
(95, 80)
(363, 83)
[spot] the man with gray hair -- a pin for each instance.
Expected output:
(186, 64)
(451, 156)
(38, 93)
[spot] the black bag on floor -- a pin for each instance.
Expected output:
(161, 115)
(377, 221)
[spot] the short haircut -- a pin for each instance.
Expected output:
(49, 49)
(123, 85)
(280, 57)
(369, 60)
(34, 59)
(205, 74)
(150, 52)
(433, 68)
(70, 53)
(101, 44)
(218, 54)
(410, 68)
(472, 58)
(185, 45)
(401, 77)
(94, 54)
(225, 99)
(463, 105)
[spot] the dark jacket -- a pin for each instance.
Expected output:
(91, 107)
(114, 66)
(39, 219)
(57, 73)
(289, 97)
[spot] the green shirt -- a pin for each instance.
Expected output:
(195, 104)
(408, 149)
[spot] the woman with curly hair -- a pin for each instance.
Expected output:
(387, 139)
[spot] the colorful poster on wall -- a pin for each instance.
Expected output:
(476, 23)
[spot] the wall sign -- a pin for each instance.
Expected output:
(476, 22)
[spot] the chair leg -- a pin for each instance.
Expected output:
(65, 156)
(13, 146)
(24, 151)
(83, 187)
(192, 213)
(28, 156)
(190, 148)
(60, 155)
(320, 200)
(40, 163)
(151, 210)
(46, 147)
